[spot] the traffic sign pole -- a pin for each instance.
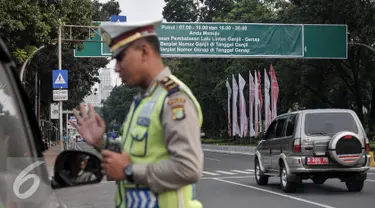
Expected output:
(60, 102)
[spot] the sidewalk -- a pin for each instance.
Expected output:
(50, 157)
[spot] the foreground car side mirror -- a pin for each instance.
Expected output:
(76, 168)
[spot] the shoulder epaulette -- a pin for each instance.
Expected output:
(170, 85)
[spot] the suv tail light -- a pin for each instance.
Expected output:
(297, 145)
(367, 144)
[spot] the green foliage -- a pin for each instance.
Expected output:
(117, 106)
(26, 25)
(180, 11)
(103, 11)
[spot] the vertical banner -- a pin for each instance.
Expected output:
(229, 96)
(236, 129)
(243, 116)
(260, 102)
(256, 105)
(274, 92)
(267, 111)
(251, 104)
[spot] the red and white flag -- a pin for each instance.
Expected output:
(235, 128)
(260, 102)
(256, 106)
(229, 95)
(251, 104)
(243, 117)
(274, 92)
(267, 111)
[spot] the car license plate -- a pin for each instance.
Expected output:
(317, 160)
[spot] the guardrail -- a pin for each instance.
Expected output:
(230, 149)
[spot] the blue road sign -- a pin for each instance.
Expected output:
(118, 18)
(60, 79)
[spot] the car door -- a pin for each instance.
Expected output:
(266, 146)
(20, 147)
(290, 128)
(277, 142)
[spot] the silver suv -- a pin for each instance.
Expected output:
(314, 144)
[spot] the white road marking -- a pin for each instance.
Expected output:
(370, 180)
(225, 172)
(251, 170)
(207, 158)
(210, 173)
(227, 177)
(371, 173)
(241, 171)
(78, 147)
(275, 193)
(107, 182)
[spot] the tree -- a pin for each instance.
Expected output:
(117, 106)
(102, 12)
(26, 25)
(181, 11)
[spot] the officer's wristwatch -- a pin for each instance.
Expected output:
(128, 172)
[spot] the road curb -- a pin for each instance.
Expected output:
(229, 149)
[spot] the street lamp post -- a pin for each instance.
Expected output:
(364, 45)
(60, 102)
(27, 61)
(37, 82)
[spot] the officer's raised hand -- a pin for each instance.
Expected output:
(90, 126)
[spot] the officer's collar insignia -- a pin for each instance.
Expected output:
(170, 85)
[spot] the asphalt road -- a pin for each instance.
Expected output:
(228, 181)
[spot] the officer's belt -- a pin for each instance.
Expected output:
(133, 186)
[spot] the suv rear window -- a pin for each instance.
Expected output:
(329, 123)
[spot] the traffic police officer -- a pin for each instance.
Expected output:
(161, 157)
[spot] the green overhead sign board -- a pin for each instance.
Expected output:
(242, 40)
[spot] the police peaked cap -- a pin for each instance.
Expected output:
(119, 35)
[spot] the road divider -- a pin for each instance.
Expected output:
(229, 149)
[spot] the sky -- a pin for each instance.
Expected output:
(136, 11)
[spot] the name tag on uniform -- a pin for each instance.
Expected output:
(143, 121)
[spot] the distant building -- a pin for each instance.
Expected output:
(105, 85)
(93, 99)
(104, 88)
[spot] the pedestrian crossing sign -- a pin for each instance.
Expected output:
(60, 79)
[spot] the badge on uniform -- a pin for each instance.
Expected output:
(176, 100)
(178, 112)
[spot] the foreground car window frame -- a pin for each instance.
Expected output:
(27, 120)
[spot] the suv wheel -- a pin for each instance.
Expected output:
(260, 178)
(354, 185)
(286, 185)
